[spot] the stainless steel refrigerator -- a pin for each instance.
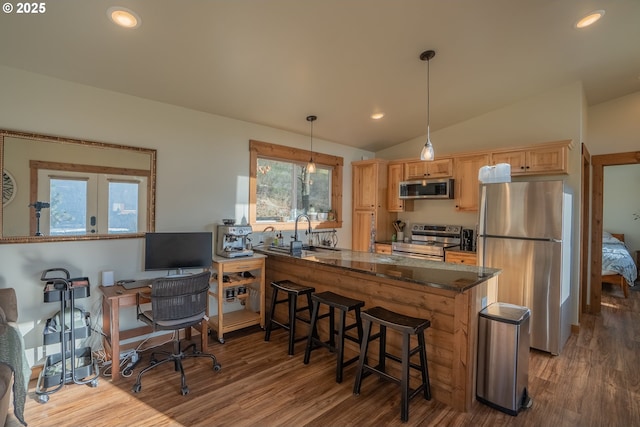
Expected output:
(524, 228)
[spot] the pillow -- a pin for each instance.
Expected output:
(608, 238)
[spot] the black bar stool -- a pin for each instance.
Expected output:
(293, 291)
(407, 326)
(344, 304)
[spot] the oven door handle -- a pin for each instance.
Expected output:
(418, 256)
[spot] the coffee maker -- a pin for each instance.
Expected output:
(233, 241)
(468, 240)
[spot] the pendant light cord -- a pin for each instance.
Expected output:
(428, 99)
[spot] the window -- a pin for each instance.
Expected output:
(281, 189)
(78, 201)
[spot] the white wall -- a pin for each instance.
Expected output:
(621, 202)
(202, 177)
(614, 126)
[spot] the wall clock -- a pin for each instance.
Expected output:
(8, 187)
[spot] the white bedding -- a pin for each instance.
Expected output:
(616, 259)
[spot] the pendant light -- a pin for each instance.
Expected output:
(427, 150)
(311, 167)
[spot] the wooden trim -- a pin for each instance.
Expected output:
(598, 164)
(281, 152)
(585, 211)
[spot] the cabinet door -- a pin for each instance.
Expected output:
(467, 258)
(420, 169)
(365, 186)
(517, 160)
(382, 248)
(546, 160)
(440, 168)
(466, 180)
(361, 233)
(395, 174)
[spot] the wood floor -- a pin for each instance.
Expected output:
(594, 382)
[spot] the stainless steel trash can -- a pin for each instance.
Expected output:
(503, 357)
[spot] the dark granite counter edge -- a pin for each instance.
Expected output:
(482, 274)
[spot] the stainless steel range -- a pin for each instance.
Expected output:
(429, 241)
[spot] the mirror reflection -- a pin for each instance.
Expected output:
(65, 189)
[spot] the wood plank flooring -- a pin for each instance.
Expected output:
(594, 382)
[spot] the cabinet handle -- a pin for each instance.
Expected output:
(521, 167)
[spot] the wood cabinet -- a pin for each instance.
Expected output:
(395, 174)
(383, 248)
(420, 169)
(466, 180)
(237, 281)
(461, 257)
(547, 159)
(369, 188)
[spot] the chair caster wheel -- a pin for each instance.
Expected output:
(185, 391)
(137, 388)
(217, 367)
(93, 383)
(43, 398)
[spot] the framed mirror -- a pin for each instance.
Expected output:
(57, 189)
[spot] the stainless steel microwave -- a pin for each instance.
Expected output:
(427, 189)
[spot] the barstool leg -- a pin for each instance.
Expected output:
(314, 319)
(340, 346)
(274, 296)
(364, 347)
(404, 381)
(425, 367)
(293, 310)
(382, 352)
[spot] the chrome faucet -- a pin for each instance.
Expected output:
(295, 231)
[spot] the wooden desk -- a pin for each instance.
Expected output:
(114, 297)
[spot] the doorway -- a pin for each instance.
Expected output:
(598, 163)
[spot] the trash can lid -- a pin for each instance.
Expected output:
(505, 312)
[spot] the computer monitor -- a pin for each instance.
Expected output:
(178, 251)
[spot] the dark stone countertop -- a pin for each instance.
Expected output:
(449, 276)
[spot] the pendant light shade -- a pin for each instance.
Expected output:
(311, 167)
(427, 151)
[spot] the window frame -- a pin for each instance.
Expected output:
(259, 149)
(36, 165)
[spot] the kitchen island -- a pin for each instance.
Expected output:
(449, 295)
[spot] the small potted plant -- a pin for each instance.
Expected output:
(313, 215)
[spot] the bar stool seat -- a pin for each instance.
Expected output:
(407, 326)
(344, 305)
(293, 291)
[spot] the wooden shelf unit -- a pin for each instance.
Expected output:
(232, 268)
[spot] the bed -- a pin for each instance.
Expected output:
(618, 267)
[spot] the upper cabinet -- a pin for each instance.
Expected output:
(466, 180)
(395, 174)
(371, 219)
(420, 169)
(544, 159)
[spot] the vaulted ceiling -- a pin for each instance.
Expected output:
(274, 62)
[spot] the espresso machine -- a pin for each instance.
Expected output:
(233, 241)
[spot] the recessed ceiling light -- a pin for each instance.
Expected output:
(590, 19)
(124, 17)
(377, 116)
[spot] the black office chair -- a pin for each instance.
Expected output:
(176, 303)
